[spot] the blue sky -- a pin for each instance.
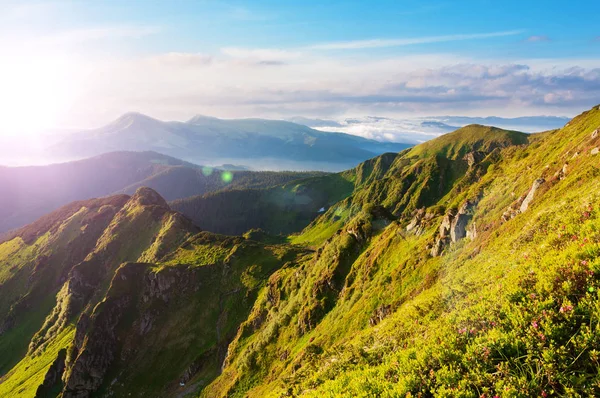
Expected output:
(82, 63)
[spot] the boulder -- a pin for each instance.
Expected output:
(562, 173)
(458, 228)
(536, 184)
(446, 224)
(595, 151)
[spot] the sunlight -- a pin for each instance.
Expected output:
(35, 95)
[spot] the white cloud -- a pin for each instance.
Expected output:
(379, 43)
(179, 85)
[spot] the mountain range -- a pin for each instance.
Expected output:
(258, 143)
(30, 192)
(468, 266)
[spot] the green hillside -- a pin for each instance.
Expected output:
(468, 266)
(511, 311)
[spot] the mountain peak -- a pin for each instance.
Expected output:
(132, 118)
(469, 138)
(197, 119)
(145, 196)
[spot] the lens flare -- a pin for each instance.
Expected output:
(227, 176)
(207, 171)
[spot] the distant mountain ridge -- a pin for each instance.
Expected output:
(263, 144)
(30, 192)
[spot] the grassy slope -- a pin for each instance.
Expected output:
(179, 333)
(369, 312)
(283, 209)
(278, 210)
(485, 318)
(31, 275)
(105, 233)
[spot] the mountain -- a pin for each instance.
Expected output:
(523, 123)
(263, 144)
(278, 210)
(30, 192)
(290, 207)
(466, 266)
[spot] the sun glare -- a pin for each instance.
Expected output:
(35, 95)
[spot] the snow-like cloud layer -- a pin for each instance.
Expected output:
(420, 129)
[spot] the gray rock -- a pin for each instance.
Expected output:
(415, 224)
(562, 173)
(446, 225)
(438, 247)
(536, 184)
(472, 158)
(458, 228)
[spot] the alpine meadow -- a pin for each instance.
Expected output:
(392, 199)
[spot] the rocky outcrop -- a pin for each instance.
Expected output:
(443, 238)
(98, 348)
(522, 204)
(595, 151)
(438, 247)
(512, 211)
(529, 198)
(562, 173)
(458, 228)
(136, 290)
(472, 158)
(419, 222)
(360, 231)
(454, 227)
(197, 366)
(472, 231)
(595, 133)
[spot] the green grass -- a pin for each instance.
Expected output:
(24, 379)
(352, 305)
(464, 324)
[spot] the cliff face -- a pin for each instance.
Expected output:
(441, 271)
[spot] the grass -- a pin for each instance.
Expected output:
(464, 324)
(24, 379)
(353, 305)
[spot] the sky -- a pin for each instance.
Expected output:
(80, 64)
